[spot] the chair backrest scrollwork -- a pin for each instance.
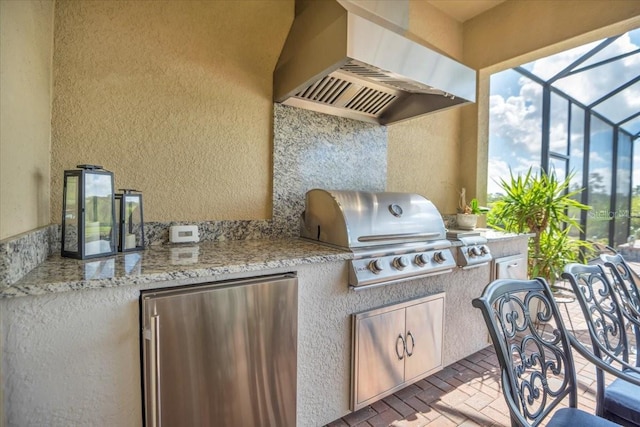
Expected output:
(532, 347)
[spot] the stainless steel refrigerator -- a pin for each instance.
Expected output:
(221, 354)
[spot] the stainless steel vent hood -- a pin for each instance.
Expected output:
(348, 58)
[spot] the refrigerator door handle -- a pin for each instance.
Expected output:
(154, 362)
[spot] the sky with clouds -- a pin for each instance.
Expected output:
(516, 105)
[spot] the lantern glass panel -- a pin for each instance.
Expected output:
(98, 235)
(71, 217)
(133, 221)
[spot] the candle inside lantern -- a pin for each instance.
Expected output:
(130, 241)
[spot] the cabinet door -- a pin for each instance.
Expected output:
(379, 354)
(511, 267)
(424, 333)
(222, 354)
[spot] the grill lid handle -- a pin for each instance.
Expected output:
(403, 236)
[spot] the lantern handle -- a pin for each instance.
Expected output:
(89, 167)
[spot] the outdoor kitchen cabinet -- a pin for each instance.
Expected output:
(394, 346)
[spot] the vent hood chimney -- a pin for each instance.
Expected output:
(349, 58)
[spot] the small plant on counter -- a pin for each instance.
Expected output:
(474, 208)
(467, 217)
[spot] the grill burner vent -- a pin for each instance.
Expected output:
(363, 89)
(387, 78)
(340, 90)
(364, 70)
(327, 90)
(370, 101)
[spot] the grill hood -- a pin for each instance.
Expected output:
(348, 58)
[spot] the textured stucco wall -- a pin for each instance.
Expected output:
(74, 359)
(26, 32)
(423, 158)
(174, 97)
(432, 26)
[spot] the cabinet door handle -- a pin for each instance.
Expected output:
(515, 264)
(413, 344)
(404, 347)
(154, 356)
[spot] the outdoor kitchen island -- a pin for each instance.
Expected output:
(71, 331)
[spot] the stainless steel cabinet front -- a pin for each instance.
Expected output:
(424, 330)
(394, 346)
(510, 267)
(380, 344)
(221, 354)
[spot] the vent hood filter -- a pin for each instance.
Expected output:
(338, 62)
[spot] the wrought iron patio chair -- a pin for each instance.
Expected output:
(624, 274)
(532, 346)
(625, 283)
(610, 348)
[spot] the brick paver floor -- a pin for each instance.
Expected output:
(466, 393)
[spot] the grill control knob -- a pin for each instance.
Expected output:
(376, 266)
(400, 262)
(422, 260)
(474, 252)
(484, 250)
(439, 257)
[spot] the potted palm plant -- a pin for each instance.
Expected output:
(539, 203)
(467, 216)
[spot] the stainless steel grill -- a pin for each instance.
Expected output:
(393, 236)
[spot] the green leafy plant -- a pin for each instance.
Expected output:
(557, 249)
(476, 209)
(538, 203)
(473, 207)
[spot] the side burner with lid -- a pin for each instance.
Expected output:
(473, 250)
(393, 236)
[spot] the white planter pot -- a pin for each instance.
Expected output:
(466, 221)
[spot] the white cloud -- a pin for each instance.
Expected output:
(590, 85)
(498, 169)
(552, 65)
(516, 119)
(501, 170)
(623, 178)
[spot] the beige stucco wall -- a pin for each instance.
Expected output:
(26, 31)
(174, 97)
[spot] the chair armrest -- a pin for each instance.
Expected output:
(588, 354)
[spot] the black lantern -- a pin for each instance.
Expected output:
(131, 221)
(88, 213)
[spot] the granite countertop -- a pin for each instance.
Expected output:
(489, 234)
(165, 263)
(493, 235)
(170, 262)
